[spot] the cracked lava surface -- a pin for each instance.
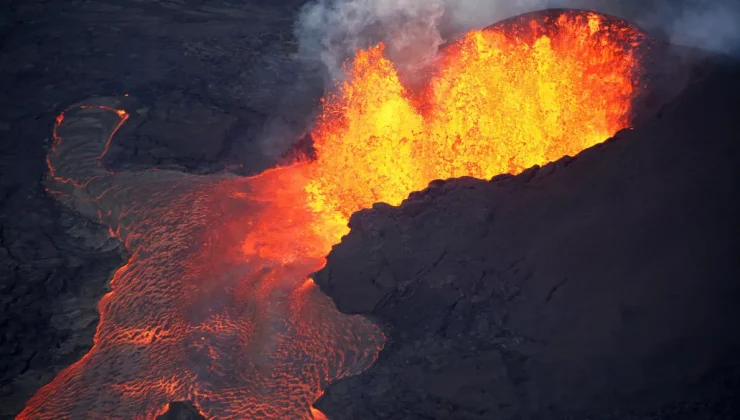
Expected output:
(215, 305)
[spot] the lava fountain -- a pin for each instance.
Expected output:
(215, 305)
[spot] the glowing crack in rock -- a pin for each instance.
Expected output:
(215, 305)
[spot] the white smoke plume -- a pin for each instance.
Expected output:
(708, 24)
(331, 30)
(712, 25)
(413, 30)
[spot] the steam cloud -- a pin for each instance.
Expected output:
(413, 30)
(332, 29)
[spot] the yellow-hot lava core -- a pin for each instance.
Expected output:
(501, 100)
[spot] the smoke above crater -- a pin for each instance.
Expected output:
(413, 30)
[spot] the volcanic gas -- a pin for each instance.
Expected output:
(215, 305)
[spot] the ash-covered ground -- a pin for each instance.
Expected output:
(216, 78)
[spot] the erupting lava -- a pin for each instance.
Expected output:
(215, 305)
(501, 101)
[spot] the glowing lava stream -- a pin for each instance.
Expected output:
(214, 305)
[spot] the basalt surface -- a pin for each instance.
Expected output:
(599, 286)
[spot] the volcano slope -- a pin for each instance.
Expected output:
(600, 286)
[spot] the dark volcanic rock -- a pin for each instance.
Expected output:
(54, 267)
(177, 130)
(181, 411)
(604, 286)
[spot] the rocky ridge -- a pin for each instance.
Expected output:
(599, 286)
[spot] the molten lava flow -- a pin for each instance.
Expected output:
(214, 305)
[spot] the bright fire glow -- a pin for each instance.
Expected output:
(214, 306)
(501, 102)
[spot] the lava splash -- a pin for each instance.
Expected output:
(215, 305)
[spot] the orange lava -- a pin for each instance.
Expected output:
(215, 307)
(500, 102)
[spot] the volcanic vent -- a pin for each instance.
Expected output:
(215, 305)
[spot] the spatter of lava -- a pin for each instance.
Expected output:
(215, 305)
